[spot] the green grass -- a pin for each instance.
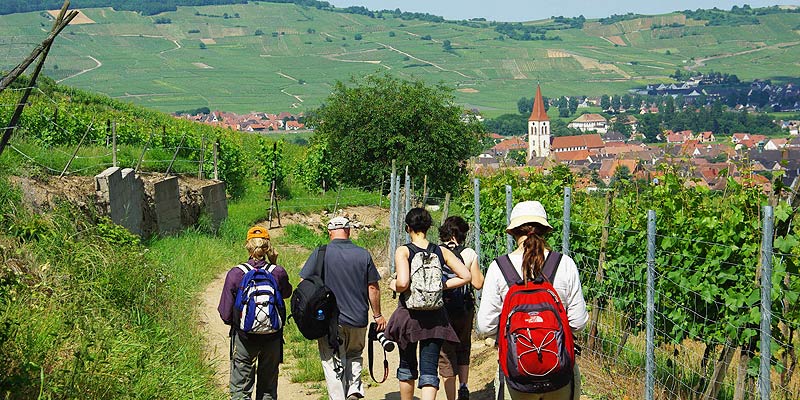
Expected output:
(249, 72)
(87, 312)
(93, 159)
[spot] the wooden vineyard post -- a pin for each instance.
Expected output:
(599, 276)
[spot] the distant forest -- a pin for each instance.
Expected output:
(146, 7)
(153, 7)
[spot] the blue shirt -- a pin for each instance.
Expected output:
(349, 270)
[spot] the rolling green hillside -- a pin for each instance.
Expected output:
(202, 58)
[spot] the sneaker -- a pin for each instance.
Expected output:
(463, 393)
(353, 397)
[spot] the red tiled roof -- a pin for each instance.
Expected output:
(592, 141)
(538, 113)
(578, 155)
(590, 118)
(514, 143)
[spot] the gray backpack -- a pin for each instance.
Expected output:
(425, 289)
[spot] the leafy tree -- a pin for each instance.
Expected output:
(650, 127)
(259, 32)
(525, 105)
(271, 165)
(316, 171)
(621, 175)
(605, 102)
(619, 126)
(202, 46)
(426, 37)
(563, 107)
(358, 36)
(573, 105)
(519, 156)
(615, 103)
(627, 101)
(376, 119)
(446, 45)
(392, 34)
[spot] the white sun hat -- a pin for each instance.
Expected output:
(527, 212)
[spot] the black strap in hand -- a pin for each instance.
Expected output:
(371, 362)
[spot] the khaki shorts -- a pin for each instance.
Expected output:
(452, 354)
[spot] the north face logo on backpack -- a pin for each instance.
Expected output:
(536, 346)
(259, 304)
(534, 318)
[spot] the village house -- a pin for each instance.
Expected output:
(576, 143)
(590, 122)
(746, 140)
(776, 144)
(628, 120)
(706, 137)
(678, 137)
(502, 149)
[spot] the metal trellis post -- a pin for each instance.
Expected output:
(392, 218)
(764, 385)
(649, 387)
(565, 230)
(509, 205)
(477, 185)
(407, 194)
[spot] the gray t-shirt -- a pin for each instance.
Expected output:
(349, 269)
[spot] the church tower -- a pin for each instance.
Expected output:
(538, 128)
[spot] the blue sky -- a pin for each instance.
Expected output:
(528, 10)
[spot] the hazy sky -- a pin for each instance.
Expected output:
(528, 10)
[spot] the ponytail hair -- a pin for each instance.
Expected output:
(534, 245)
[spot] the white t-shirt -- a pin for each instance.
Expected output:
(468, 255)
(567, 283)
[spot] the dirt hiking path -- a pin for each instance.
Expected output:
(484, 356)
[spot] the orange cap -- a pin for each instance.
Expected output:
(257, 232)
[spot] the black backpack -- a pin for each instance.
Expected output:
(460, 298)
(314, 308)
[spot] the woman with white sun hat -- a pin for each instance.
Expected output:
(529, 227)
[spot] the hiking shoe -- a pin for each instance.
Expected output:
(463, 393)
(353, 397)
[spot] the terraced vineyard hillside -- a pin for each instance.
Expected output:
(277, 57)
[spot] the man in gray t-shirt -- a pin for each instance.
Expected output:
(351, 275)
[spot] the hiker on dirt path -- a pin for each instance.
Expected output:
(529, 227)
(460, 305)
(254, 357)
(420, 318)
(353, 278)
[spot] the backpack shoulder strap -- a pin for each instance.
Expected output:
(507, 268)
(319, 268)
(271, 268)
(551, 265)
(244, 267)
(435, 249)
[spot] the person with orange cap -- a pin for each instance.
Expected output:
(254, 357)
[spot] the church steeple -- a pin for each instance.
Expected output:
(538, 113)
(538, 128)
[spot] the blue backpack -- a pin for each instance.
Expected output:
(259, 304)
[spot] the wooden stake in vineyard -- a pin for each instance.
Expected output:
(599, 276)
(40, 52)
(273, 196)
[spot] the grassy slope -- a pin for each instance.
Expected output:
(141, 60)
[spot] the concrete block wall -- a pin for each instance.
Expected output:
(215, 203)
(167, 200)
(120, 193)
(121, 196)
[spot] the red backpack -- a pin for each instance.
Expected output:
(537, 350)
